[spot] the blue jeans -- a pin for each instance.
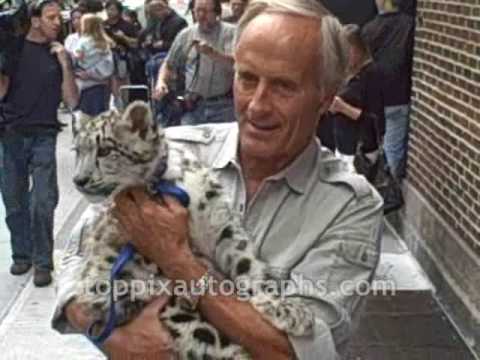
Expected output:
(30, 194)
(218, 111)
(397, 121)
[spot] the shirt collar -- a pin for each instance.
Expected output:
(296, 174)
(228, 151)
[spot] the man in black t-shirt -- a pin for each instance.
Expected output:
(29, 133)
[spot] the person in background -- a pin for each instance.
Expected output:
(316, 226)
(390, 37)
(131, 16)
(72, 39)
(29, 122)
(93, 53)
(356, 115)
(202, 53)
(163, 26)
(124, 36)
(237, 9)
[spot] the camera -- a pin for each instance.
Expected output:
(188, 101)
(13, 26)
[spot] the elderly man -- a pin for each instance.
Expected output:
(202, 54)
(308, 218)
(28, 118)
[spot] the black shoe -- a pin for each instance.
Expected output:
(42, 277)
(19, 268)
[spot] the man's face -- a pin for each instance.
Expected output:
(76, 16)
(205, 15)
(277, 98)
(49, 23)
(113, 13)
(238, 7)
(380, 4)
(158, 9)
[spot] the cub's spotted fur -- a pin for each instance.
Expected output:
(118, 150)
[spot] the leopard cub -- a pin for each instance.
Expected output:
(116, 150)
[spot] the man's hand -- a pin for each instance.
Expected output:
(82, 74)
(145, 335)
(144, 338)
(62, 55)
(203, 48)
(161, 89)
(337, 105)
(158, 231)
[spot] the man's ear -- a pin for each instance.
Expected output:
(325, 102)
(35, 22)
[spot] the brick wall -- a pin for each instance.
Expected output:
(444, 148)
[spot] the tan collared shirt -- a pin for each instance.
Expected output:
(314, 224)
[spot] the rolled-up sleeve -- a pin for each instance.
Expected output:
(334, 273)
(69, 270)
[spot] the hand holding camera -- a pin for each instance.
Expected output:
(203, 47)
(161, 89)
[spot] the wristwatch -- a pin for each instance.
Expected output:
(191, 298)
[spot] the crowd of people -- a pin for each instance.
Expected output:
(282, 75)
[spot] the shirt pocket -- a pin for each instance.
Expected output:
(354, 264)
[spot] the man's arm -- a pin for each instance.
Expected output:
(236, 319)
(4, 82)
(143, 336)
(164, 75)
(70, 91)
(148, 222)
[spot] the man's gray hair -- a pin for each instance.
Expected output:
(333, 48)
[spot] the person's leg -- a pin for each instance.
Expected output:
(396, 138)
(220, 111)
(44, 199)
(15, 195)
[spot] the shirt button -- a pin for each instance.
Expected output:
(241, 207)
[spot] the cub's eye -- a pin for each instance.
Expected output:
(102, 152)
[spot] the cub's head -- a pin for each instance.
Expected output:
(115, 150)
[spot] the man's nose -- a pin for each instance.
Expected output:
(261, 99)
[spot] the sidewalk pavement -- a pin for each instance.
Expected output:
(409, 325)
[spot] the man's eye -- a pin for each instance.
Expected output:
(102, 152)
(285, 86)
(247, 78)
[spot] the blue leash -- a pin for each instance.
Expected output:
(163, 187)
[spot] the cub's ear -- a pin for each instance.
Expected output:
(79, 122)
(139, 118)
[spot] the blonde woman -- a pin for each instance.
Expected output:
(94, 65)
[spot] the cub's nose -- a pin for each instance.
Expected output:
(80, 181)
